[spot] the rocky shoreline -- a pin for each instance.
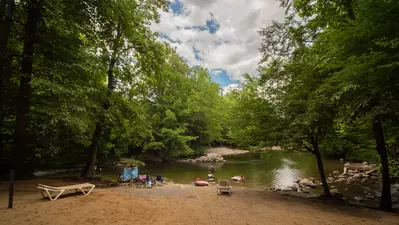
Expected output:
(353, 173)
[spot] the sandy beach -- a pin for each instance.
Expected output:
(179, 204)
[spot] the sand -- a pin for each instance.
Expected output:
(180, 204)
(225, 151)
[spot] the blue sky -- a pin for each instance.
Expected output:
(212, 26)
(220, 35)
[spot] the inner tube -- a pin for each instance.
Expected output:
(201, 183)
(237, 178)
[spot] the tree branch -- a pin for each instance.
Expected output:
(309, 149)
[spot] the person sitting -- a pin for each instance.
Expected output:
(212, 169)
(148, 180)
(160, 178)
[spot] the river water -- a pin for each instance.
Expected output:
(273, 168)
(269, 169)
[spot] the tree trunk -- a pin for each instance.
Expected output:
(93, 150)
(22, 120)
(316, 152)
(6, 12)
(385, 201)
(100, 127)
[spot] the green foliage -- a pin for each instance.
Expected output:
(394, 167)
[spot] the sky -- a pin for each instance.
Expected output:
(220, 35)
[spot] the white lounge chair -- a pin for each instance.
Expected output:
(77, 187)
(223, 186)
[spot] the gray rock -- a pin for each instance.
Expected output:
(374, 177)
(286, 189)
(365, 163)
(370, 196)
(359, 199)
(341, 176)
(350, 180)
(357, 175)
(340, 179)
(330, 178)
(347, 164)
(336, 172)
(364, 180)
(341, 159)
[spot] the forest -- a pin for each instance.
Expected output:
(84, 82)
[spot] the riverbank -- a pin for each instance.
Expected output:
(179, 204)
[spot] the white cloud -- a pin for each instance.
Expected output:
(230, 88)
(234, 46)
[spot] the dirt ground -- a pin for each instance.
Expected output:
(179, 204)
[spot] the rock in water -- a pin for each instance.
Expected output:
(308, 183)
(357, 175)
(359, 199)
(350, 180)
(336, 172)
(365, 163)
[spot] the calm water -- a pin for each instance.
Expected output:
(274, 168)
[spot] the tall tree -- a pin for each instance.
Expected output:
(123, 34)
(22, 119)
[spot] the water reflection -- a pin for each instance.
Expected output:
(286, 175)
